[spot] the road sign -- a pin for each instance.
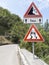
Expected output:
(33, 35)
(32, 15)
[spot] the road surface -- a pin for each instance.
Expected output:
(9, 55)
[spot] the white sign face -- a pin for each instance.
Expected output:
(33, 15)
(33, 20)
(33, 35)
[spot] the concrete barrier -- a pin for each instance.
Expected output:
(30, 60)
(22, 58)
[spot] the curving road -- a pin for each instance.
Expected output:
(9, 55)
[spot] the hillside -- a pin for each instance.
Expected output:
(13, 27)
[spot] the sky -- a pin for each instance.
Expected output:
(19, 7)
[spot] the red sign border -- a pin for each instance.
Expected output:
(33, 40)
(32, 16)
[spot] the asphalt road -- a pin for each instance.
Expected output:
(9, 55)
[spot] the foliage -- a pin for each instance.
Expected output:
(45, 36)
(7, 20)
(41, 49)
(4, 12)
(46, 59)
(46, 26)
(26, 45)
(16, 29)
(12, 25)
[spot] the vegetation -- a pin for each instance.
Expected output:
(12, 26)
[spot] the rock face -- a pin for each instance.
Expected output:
(4, 41)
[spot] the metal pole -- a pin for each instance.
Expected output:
(33, 49)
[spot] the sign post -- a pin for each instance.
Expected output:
(33, 15)
(33, 49)
(33, 35)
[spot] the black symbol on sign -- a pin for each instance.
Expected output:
(31, 12)
(33, 33)
(39, 20)
(26, 20)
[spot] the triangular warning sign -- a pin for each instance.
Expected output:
(33, 35)
(32, 12)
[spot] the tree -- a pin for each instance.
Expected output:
(7, 20)
(46, 25)
(19, 29)
(41, 50)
